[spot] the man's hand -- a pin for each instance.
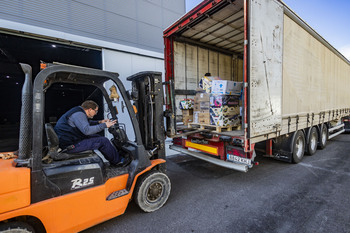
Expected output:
(109, 123)
(104, 121)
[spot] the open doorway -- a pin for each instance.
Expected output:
(15, 50)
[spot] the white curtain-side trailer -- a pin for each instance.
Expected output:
(294, 83)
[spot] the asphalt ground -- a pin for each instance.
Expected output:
(312, 196)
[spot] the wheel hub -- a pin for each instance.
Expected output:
(313, 141)
(324, 137)
(155, 191)
(300, 147)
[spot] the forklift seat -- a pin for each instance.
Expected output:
(53, 145)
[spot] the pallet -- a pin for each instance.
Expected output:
(210, 127)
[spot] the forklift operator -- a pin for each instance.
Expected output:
(77, 132)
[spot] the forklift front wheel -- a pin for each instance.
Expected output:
(152, 191)
(16, 227)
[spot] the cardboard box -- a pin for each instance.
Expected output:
(225, 111)
(201, 102)
(220, 100)
(187, 116)
(187, 119)
(201, 106)
(224, 121)
(201, 117)
(225, 115)
(226, 87)
(202, 97)
(186, 104)
(204, 118)
(206, 83)
(195, 116)
(187, 112)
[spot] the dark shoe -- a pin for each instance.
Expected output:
(116, 164)
(125, 161)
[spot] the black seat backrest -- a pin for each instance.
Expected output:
(53, 144)
(52, 139)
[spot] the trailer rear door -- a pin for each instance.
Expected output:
(265, 66)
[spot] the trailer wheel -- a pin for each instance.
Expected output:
(312, 145)
(152, 191)
(298, 147)
(16, 227)
(323, 137)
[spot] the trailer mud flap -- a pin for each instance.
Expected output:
(282, 149)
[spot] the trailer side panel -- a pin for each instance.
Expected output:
(314, 78)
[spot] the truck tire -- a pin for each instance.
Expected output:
(298, 147)
(16, 227)
(323, 137)
(152, 191)
(313, 139)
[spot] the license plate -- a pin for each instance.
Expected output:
(238, 159)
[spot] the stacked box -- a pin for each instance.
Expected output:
(206, 83)
(220, 109)
(201, 117)
(224, 110)
(201, 107)
(226, 87)
(223, 100)
(186, 104)
(224, 115)
(187, 116)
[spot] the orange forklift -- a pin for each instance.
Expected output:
(46, 189)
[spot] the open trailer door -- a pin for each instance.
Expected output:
(265, 66)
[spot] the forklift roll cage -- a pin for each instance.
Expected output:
(85, 76)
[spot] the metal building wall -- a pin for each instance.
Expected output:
(135, 23)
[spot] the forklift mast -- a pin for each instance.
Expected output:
(147, 95)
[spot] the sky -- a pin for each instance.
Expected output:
(331, 19)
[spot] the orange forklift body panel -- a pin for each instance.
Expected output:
(80, 210)
(14, 186)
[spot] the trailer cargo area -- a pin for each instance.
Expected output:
(295, 84)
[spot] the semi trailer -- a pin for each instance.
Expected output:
(294, 83)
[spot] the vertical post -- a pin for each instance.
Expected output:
(245, 78)
(25, 137)
(169, 69)
(169, 88)
(269, 147)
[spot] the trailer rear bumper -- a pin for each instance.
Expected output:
(230, 165)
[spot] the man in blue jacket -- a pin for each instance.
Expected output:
(77, 128)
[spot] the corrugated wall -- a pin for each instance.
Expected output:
(191, 63)
(136, 23)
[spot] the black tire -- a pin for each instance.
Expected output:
(16, 227)
(323, 137)
(313, 140)
(298, 147)
(152, 191)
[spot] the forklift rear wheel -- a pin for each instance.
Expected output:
(152, 191)
(16, 227)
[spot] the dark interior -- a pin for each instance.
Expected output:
(59, 97)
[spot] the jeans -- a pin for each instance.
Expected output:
(97, 142)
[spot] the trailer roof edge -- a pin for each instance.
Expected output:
(294, 16)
